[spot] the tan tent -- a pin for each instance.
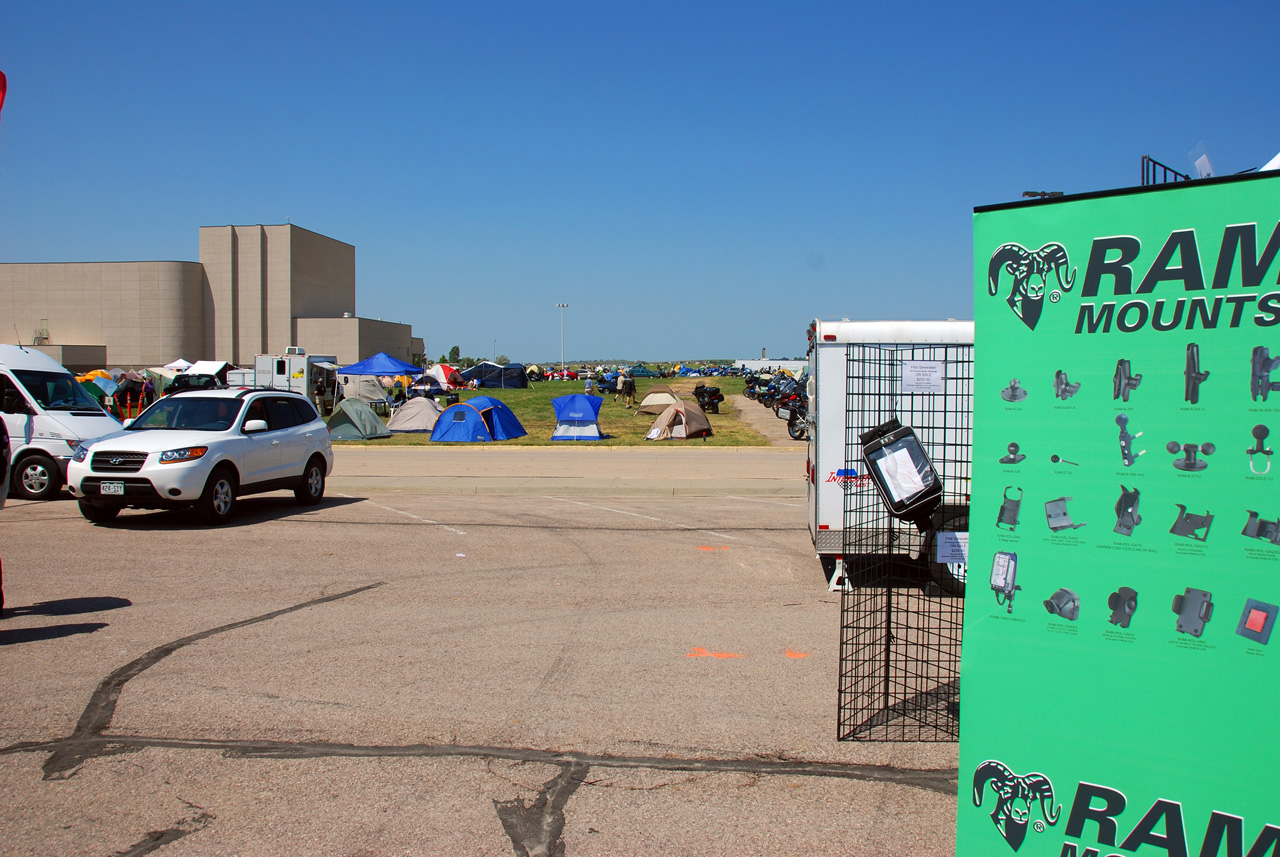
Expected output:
(417, 414)
(658, 399)
(681, 420)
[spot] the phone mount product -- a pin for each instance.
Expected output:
(902, 473)
(1013, 393)
(1064, 603)
(1194, 608)
(1257, 620)
(1260, 433)
(1263, 365)
(1055, 511)
(1126, 441)
(1008, 518)
(1189, 461)
(1266, 531)
(1127, 516)
(1194, 377)
(1063, 388)
(1124, 382)
(1004, 578)
(1123, 603)
(1014, 456)
(1188, 525)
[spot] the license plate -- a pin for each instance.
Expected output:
(111, 488)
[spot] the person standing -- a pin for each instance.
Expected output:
(590, 385)
(629, 390)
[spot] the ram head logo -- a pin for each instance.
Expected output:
(1014, 795)
(1030, 272)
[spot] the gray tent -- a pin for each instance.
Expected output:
(365, 388)
(658, 399)
(417, 414)
(681, 420)
(354, 420)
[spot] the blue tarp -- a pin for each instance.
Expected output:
(480, 419)
(381, 364)
(577, 417)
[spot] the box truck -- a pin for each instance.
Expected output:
(862, 373)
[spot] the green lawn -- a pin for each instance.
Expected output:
(534, 410)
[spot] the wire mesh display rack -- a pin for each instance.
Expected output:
(901, 611)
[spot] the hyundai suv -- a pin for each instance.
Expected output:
(204, 448)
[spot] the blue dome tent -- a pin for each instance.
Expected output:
(481, 419)
(577, 417)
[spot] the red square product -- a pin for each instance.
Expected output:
(1257, 621)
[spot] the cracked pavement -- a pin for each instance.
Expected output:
(425, 674)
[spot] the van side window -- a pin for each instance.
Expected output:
(280, 414)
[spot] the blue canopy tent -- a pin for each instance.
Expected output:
(381, 364)
(481, 419)
(577, 417)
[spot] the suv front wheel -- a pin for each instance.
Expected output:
(219, 498)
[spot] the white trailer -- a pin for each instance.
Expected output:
(916, 366)
(295, 370)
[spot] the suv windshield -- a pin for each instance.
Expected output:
(56, 391)
(189, 413)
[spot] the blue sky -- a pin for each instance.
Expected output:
(695, 180)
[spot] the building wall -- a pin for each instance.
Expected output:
(353, 339)
(260, 278)
(145, 313)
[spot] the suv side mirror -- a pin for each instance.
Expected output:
(252, 426)
(14, 403)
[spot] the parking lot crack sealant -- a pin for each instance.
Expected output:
(85, 742)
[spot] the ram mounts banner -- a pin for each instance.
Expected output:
(1121, 665)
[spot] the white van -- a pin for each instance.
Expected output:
(48, 414)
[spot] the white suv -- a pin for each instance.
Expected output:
(204, 448)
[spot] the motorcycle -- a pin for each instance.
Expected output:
(795, 410)
(709, 398)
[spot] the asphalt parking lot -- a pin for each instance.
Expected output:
(442, 673)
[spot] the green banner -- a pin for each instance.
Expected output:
(1121, 677)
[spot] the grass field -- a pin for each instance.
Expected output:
(624, 428)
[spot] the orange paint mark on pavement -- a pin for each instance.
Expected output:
(792, 654)
(700, 652)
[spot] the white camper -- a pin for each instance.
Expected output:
(295, 370)
(917, 354)
(48, 415)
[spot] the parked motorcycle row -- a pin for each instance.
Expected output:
(786, 396)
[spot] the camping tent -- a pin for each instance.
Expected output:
(178, 365)
(658, 399)
(577, 417)
(381, 364)
(364, 388)
(681, 420)
(417, 414)
(478, 419)
(354, 420)
(446, 377)
(490, 374)
(217, 368)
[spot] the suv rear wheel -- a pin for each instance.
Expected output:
(219, 498)
(310, 490)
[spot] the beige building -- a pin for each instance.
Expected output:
(255, 290)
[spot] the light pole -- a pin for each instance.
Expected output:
(563, 307)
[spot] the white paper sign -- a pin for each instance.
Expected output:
(922, 376)
(952, 547)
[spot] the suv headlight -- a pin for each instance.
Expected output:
(190, 453)
(79, 451)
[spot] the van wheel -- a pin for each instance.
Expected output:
(98, 514)
(37, 477)
(219, 498)
(310, 490)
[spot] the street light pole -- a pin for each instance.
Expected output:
(562, 307)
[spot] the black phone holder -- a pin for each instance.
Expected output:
(902, 472)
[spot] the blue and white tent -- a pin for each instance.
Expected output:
(577, 417)
(481, 419)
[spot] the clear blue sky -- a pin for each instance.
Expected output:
(694, 179)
